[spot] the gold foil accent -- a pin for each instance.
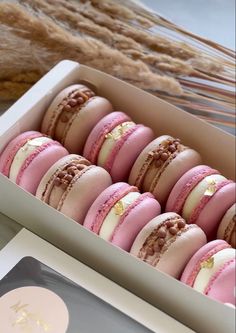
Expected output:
(119, 208)
(211, 188)
(26, 320)
(209, 263)
(109, 136)
(119, 131)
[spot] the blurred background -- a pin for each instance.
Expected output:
(213, 19)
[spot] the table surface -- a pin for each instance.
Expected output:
(212, 19)
(202, 17)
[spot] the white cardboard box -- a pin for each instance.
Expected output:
(216, 147)
(26, 244)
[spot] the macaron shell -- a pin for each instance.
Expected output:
(142, 157)
(222, 288)
(12, 147)
(184, 161)
(182, 188)
(129, 151)
(39, 165)
(178, 166)
(196, 258)
(147, 230)
(44, 187)
(50, 113)
(214, 210)
(137, 218)
(228, 218)
(174, 260)
(100, 201)
(103, 127)
(83, 122)
(84, 192)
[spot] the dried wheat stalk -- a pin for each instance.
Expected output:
(115, 36)
(60, 44)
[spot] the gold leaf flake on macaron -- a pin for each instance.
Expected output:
(211, 188)
(209, 263)
(119, 208)
(109, 136)
(119, 131)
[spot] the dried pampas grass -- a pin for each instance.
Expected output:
(122, 39)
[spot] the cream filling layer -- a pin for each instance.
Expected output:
(23, 153)
(111, 139)
(205, 274)
(113, 217)
(193, 199)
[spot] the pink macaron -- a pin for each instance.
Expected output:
(211, 271)
(115, 143)
(71, 185)
(72, 115)
(27, 157)
(227, 227)
(160, 165)
(202, 196)
(120, 212)
(167, 243)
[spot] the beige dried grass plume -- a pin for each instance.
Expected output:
(121, 39)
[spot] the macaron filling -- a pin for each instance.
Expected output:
(196, 178)
(159, 158)
(67, 108)
(109, 204)
(161, 239)
(204, 261)
(210, 267)
(112, 219)
(11, 154)
(200, 196)
(111, 139)
(62, 181)
(71, 108)
(24, 153)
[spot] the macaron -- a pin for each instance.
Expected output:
(71, 185)
(120, 212)
(227, 227)
(167, 243)
(72, 115)
(202, 196)
(211, 271)
(115, 143)
(28, 156)
(160, 165)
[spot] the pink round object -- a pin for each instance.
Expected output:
(221, 284)
(72, 127)
(35, 165)
(131, 219)
(126, 148)
(167, 243)
(159, 174)
(227, 227)
(73, 197)
(210, 210)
